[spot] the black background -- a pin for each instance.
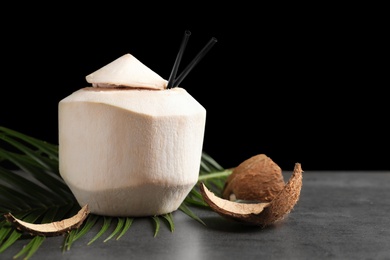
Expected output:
(301, 84)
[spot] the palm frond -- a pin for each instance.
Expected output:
(32, 189)
(126, 226)
(156, 225)
(106, 225)
(184, 207)
(169, 219)
(29, 250)
(75, 234)
(118, 228)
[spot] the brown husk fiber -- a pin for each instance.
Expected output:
(257, 178)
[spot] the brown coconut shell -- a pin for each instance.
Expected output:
(285, 201)
(257, 179)
(56, 228)
(259, 214)
(241, 212)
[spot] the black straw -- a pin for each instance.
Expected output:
(190, 66)
(178, 59)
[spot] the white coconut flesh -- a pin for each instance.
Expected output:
(126, 71)
(130, 151)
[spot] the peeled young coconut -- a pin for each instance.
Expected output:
(134, 150)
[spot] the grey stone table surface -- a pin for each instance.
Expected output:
(340, 215)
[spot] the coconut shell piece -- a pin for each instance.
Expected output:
(259, 214)
(50, 229)
(242, 212)
(256, 179)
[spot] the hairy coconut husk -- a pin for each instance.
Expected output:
(285, 201)
(257, 178)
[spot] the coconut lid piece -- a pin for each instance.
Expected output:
(126, 71)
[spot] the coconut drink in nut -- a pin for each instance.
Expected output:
(128, 144)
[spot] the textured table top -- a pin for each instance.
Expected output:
(340, 215)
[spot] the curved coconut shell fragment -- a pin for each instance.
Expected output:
(233, 210)
(282, 205)
(50, 229)
(259, 214)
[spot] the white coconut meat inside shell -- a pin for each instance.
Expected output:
(130, 152)
(126, 71)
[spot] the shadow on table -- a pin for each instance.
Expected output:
(224, 224)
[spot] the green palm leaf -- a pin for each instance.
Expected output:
(106, 225)
(126, 226)
(32, 189)
(31, 247)
(119, 226)
(156, 225)
(75, 234)
(169, 219)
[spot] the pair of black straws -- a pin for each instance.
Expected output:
(172, 82)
